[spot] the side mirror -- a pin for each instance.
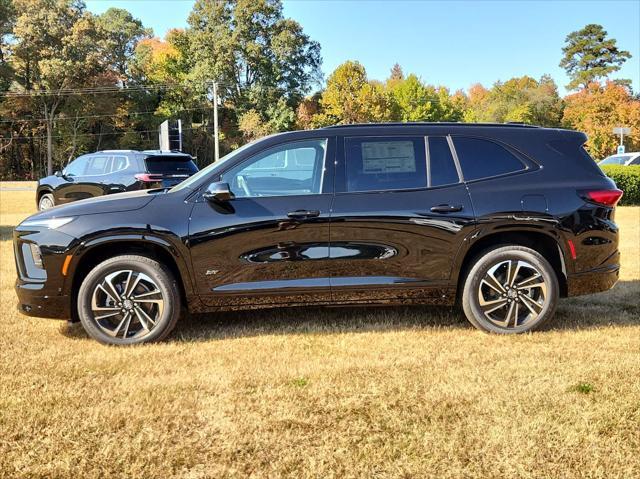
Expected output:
(59, 174)
(218, 191)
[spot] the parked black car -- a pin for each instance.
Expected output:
(113, 171)
(503, 219)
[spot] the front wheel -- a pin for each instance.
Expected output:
(510, 289)
(46, 202)
(129, 299)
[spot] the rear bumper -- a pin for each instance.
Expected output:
(593, 281)
(31, 302)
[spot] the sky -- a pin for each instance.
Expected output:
(452, 43)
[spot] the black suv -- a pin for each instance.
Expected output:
(503, 219)
(113, 171)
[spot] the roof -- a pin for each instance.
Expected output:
(444, 123)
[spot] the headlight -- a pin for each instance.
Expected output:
(51, 223)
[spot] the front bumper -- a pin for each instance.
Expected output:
(31, 302)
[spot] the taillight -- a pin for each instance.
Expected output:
(148, 177)
(603, 197)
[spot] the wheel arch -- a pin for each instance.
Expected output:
(94, 253)
(542, 242)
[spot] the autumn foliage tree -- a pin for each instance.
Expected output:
(597, 109)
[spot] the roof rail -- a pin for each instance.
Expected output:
(437, 123)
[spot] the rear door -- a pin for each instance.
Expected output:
(88, 179)
(270, 244)
(399, 217)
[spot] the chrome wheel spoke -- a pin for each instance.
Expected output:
(512, 293)
(127, 304)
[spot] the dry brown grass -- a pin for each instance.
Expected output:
(326, 393)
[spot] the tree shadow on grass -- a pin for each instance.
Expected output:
(617, 307)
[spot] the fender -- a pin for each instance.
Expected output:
(513, 223)
(178, 253)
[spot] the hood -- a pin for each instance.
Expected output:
(115, 203)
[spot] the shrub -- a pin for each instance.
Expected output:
(627, 178)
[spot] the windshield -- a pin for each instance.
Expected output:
(615, 160)
(208, 169)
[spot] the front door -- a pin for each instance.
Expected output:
(270, 244)
(399, 216)
(85, 178)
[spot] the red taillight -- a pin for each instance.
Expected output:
(604, 197)
(148, 177)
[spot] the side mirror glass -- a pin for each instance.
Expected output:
(218, 191)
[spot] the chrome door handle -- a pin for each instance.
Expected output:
(446, 208)
(300, 214)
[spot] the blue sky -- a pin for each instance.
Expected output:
(453, 43)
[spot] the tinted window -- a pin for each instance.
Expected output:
(119, 163)
(98, 165)
(291, 169)
(393, 163)
(77, 166)
(441, 166)
(483, 158)
(171, 165)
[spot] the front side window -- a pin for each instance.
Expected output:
(442, 168)
(291, 169)
(98, 165)
(77, 166)
(481, 158)
(385, 163)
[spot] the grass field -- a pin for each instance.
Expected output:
(326, 393)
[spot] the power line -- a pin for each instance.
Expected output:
(124, 114)
(43, 137)
(101, 90)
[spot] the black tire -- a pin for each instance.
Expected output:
(45, 202)
(146, 273)
(511, 298)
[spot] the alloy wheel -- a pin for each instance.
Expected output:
(45, 203)
(127, 304)
(512, 293)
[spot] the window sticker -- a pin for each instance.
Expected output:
(388, 157)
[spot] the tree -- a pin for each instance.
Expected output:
(415, 101)
(7, 19)
(252, 51)
(520, 99)
(589, 56)
(351, 98)
(55, 50)
(120, 33)
(597, 109)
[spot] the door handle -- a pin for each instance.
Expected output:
(300, 214)
(446, 208)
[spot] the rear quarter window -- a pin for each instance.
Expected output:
(480, 158)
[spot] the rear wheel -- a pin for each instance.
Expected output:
(46, 202)
(129, 300)
(510, 289)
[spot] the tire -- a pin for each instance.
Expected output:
(138, 315)
(521, 301)
(45, 202)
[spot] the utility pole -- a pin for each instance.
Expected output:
(215, 121)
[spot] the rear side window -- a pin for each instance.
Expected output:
(385, 163)
(442, 169)
(484, 158)
(119, 163)
(98, 165)
(175, 165)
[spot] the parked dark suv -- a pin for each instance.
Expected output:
(504, 219)
(113, 171)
